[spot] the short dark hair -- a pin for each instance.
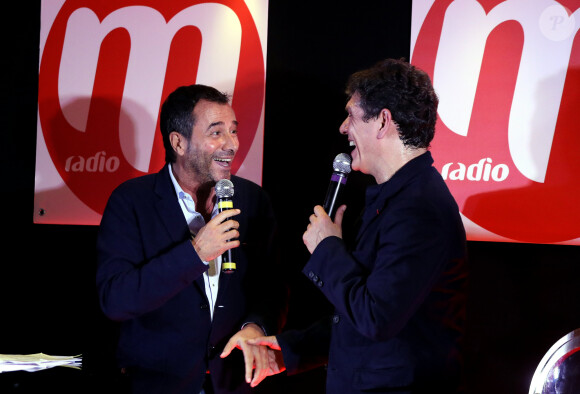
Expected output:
(404, 90)
(177, 112)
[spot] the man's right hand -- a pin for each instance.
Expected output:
(322, 226)
(217, 236)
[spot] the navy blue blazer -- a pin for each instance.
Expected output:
(399, 295)
(149, 278)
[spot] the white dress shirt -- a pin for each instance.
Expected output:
(196, 222)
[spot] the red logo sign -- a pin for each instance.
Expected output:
(507, 140)
(101, 58)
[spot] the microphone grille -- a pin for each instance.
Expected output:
(224, 188)
(341, 163)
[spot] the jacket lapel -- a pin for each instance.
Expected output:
(170, 213)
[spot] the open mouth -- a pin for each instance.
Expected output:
(354, 152)
(352, 144)
(224, 161)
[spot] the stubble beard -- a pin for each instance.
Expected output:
(199, 164)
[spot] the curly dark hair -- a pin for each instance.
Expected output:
(177, 112)
(404, 90)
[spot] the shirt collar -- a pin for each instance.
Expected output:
(377, 195)
(181, 195)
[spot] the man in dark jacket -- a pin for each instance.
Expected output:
(160, 245)
(399, 292)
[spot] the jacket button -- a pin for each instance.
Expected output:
(311, 274)
(335, 319)
(320, 283)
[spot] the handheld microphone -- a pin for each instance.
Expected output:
(341, 166)
(224, 190)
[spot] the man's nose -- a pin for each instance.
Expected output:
(343, 127)
(231, 141)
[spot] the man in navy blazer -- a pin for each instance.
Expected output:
(399, 292)
(159, 253)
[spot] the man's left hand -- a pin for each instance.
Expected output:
(252, 354)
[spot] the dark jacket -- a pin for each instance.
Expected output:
(399, 294)
(150, 279)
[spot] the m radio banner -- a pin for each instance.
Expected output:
(507, 74)
(105, 69)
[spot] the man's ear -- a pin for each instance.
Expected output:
(385, 120)
(178, 143)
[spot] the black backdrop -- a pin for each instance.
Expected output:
(522, 297)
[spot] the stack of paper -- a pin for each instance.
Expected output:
(36, 362)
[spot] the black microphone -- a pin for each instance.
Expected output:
(224, 190)
(341, 166)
